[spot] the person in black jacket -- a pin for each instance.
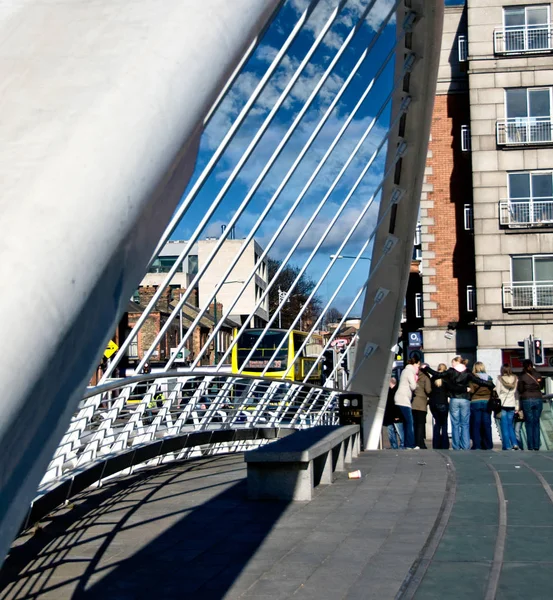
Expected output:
(529, 391)
(439, 407)
(457, 379)
(392, 417)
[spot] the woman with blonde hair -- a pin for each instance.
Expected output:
(507, 392)
(439, 407)
(480, 416)
(457, 379)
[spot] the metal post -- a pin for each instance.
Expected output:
(215, 344)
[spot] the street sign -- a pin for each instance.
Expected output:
(111, 349)
(338, 343)
(180, 356)
(415, 339)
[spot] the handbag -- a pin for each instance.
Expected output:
(494, 403)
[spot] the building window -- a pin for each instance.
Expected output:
(418, 235)
(133, 348)
(418, 306)
(528, 119)
(462, 48)
(193, 264)
(465, 138)
(468, 220)
(163, 264)
(525, 29)
(530, 200)
(471, 298)
(531, 282)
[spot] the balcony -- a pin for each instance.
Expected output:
(524, 131)
(526, 212)
(521, 39)
(528, 295)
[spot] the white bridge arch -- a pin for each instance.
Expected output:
(104, 105)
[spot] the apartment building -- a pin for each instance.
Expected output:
(487, 206)
(234, 288)
(248, 295)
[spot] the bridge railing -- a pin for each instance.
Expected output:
(137, 411)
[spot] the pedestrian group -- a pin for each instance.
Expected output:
(471, 399)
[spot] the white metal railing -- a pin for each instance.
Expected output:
(525, 212)
(521, 131)
(521, 39)
(528, 295)
(132, 413)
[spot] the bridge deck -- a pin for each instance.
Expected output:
(420, 522)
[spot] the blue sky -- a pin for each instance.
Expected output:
(237, 97)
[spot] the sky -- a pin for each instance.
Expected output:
(375, 104)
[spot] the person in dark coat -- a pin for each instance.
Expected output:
(392, 417)
(419, 406)
(439, 407)
(531, 397)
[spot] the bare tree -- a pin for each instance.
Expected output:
(297, 299)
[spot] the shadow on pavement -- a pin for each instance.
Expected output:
(167, 533)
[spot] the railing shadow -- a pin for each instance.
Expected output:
(164, 533)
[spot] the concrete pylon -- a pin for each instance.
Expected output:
(390, 272)
(102, 107)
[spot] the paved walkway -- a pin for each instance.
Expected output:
(418, 525)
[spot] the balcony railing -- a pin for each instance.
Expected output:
(526, 212)
(522, 39)
(528, 295)
(524, 131)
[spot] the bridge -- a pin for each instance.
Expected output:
(197, 202)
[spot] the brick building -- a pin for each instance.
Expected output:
(159, 317)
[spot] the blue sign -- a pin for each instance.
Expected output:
(415, 339)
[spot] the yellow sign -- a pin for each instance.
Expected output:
(111, 349)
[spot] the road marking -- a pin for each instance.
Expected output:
(493, 580)
(418, 570)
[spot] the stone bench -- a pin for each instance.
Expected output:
(291, 467)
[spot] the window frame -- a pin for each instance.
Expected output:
(419, 308)
(533, 257)
(529, 89)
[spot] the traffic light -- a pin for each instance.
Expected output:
(539, 356)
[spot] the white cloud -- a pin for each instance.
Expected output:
(347, 19)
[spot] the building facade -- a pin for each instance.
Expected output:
(447, 242)
(248, 295)
(487, 208)
(511, 81)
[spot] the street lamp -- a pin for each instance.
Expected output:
(216, 340)
(349, 256)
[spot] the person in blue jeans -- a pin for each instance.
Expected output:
(480, 416)
(506, 388)
(439, 407)
(403, 398)
(531, 398)
(457, 378)
(392, 417)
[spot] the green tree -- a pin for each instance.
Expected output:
(298, 298)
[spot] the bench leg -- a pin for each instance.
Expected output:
(326, 475)
(348, 444)
(338, 455)
(356, 442)
(280, 481)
